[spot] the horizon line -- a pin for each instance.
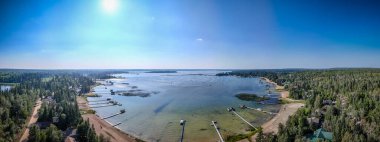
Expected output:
(188, 68)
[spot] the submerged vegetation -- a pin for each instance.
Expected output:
(345, 102)
(251, 97)
(238, 137)
(140, 94)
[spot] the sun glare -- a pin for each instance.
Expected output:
(110, 6)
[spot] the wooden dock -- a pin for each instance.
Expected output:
(233, 111)
(98, 103)
(116, 124)
(103, 106)
(213, 123)
(121, 112)
(182, 123)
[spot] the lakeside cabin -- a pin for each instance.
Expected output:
(321, 135)
(314, 121)
(328, 102)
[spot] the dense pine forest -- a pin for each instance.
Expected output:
(346, 102)
(58, 91)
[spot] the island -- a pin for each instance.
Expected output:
(250, 97)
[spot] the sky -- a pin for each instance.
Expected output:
(189, 34)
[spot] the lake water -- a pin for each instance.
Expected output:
(196, 96)
(5, 87)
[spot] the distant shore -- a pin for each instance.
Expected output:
(103, 127)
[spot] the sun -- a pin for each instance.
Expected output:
(110, 6)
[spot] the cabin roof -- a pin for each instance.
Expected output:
(321, 134)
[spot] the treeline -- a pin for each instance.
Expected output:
(60, 105)
(50, 134)
(271, 74)
(57, 89)
(346, 101)
(87, 133)
(16, 104)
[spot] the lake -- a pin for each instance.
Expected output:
(195, 96)
(5, 87)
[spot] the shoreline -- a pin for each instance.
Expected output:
(115, 134)
(280, 89)
(282, 116)
(103, 127)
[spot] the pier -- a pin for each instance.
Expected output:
(103, 106)
(182, 123)
(116, 124)
(121, 112)
(217, 130)
(98, 103)
(231, 109)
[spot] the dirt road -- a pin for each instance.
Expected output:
(32, 120)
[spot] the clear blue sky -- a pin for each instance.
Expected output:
(247, 34)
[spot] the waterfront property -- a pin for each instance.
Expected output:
(321, 135)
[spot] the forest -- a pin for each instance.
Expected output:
(58, 91)
(345, 101)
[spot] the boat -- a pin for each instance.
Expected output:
(230, 109)
(243, 106)
(114, 103)
(182, 122)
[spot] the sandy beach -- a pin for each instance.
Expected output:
(103, 127)
(282, 116)
(285, 111)
(281, 89)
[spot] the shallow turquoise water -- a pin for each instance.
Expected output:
(196, 96)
